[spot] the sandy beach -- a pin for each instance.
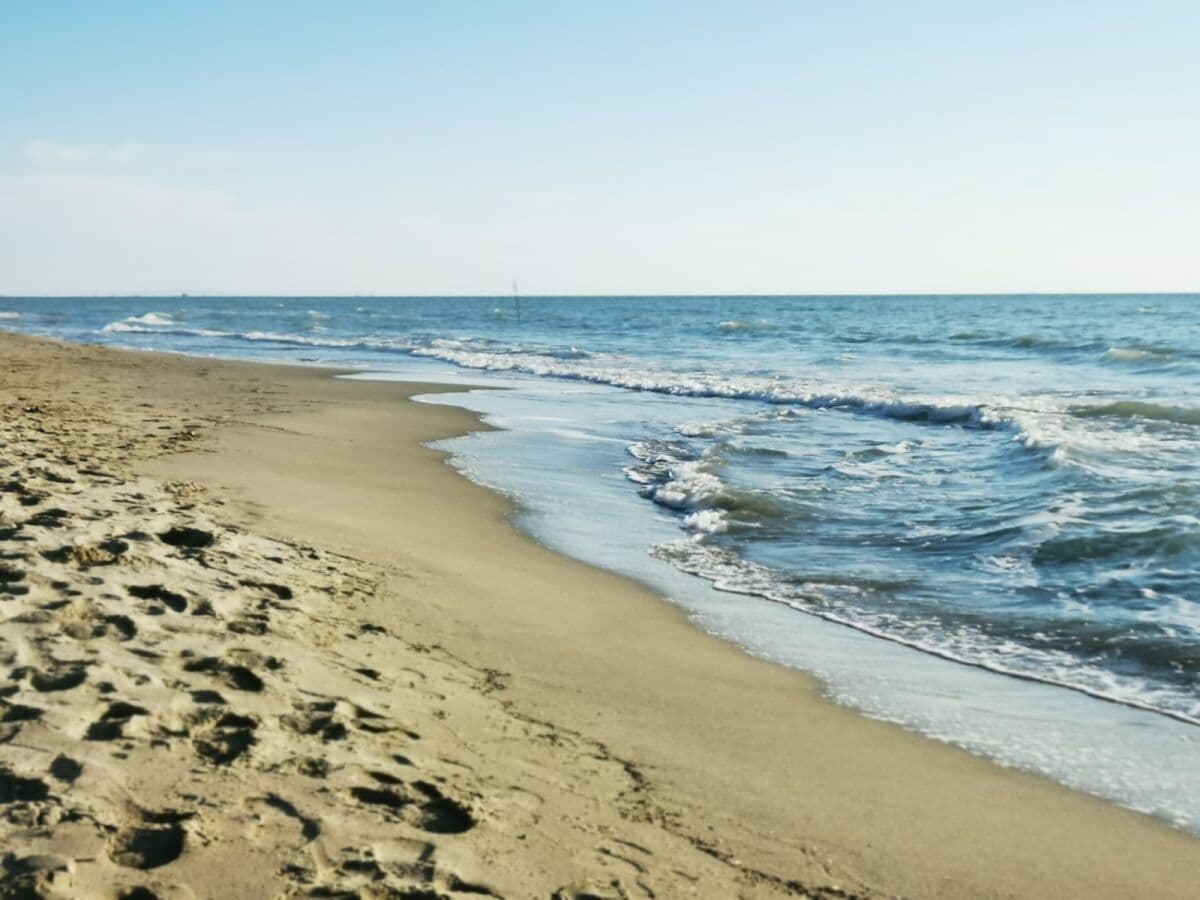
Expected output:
(258, 641)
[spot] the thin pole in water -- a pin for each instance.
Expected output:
(517, 301)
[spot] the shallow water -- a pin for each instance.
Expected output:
(1000, 483)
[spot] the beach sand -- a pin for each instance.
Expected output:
(257, 641)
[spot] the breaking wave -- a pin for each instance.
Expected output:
(838, 600)
(1138, 410)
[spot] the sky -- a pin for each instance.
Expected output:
(599, 147)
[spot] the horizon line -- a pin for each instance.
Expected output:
(624, 295)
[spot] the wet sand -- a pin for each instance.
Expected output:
(258, 641)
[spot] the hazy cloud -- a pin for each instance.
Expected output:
(47, 152)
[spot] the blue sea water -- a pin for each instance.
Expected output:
(976, 516)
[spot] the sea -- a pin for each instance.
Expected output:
(974, 516)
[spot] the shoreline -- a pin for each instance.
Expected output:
(736, 758)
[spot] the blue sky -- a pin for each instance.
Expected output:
(750, 147)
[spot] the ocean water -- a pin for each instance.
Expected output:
(976, 516)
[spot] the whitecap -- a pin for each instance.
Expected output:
(151, 318)
(738, 325)
(1137, 354)
(706, 521)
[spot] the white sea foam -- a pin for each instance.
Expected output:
(672, 481)
(1068, 440)
(690, 487)
(128, 327)
(706, 521)
(152, 318)
(6, 314)
(1037, 424)
(836, 602)
(144, 324)
(572, 363)
(738, 325)
(1135, 354)
(632, 376)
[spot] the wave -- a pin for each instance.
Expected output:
(156, 326)
(1164, 541)
(672, 475)
(152, 318)
(1034, 429)
(619, 373)
(733, 325)
(880, 451)
(1123, 353)
(833, 599)
(1084, 441)
(1031, 341)
(128, 327)
(1001, 340)
(1138, 354)
(569, 353)
(297, 340)
(1137, 409)
(6, 314)
(147, 323)
(609, 370)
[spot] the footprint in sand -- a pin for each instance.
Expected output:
(63, 677)
(106, 553)
(315, 719)
(137, 893)
(420, 804)
(48, 518)
(235, 675)
(112, 722)
(13, 717)
(17, 712)
(122, 625)
(173, 601)
(272, 806)
(10, 579)
(281, 591)
(66, 769)
(400, 867)
(35, 876)
(10, 573)
(15, 788)
(331, 720)
(205, 696)
(225, 737)
(186, 537)
(155, 839)
(251, 623)
(13, 533)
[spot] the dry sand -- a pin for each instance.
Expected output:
(258, 642)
